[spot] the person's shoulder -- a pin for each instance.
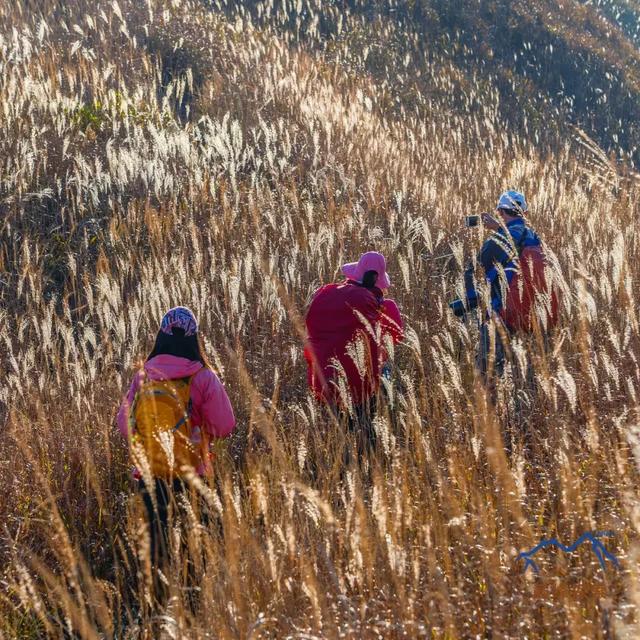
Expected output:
(323, 290)
(517, 226)
(344, 290)
(390, 303)
(361, 296)
(138, 379)
(336, 290)
(205, 377)
(531, 237)
(492, 242)
(330, 286)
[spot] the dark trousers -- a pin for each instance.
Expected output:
(160, 517)
(486, 353)
(360, 424)
(166, 493)
(522, 389)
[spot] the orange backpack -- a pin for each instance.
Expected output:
(529, 288)
(160, 424)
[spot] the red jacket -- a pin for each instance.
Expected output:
(341, 317)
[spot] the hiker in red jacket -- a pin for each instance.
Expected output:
(348, 325)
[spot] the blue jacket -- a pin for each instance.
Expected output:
(499, 249)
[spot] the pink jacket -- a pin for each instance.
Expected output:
(211, 409)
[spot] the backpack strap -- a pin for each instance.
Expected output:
(188, 380)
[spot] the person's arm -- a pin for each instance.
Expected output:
(215, 412)
(495, 250)
(490, 253)
(122, 419)
(496, 257)
(470, 286)
(205, 454)
(391, 320)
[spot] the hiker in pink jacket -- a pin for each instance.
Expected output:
(177, 361)
(177, 356)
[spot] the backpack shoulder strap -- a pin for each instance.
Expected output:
(520, 245)
(188, 380)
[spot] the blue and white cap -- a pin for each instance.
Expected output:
(513, 201)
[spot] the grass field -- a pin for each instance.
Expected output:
(158, 153)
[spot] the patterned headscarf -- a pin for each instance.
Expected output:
(180, 318)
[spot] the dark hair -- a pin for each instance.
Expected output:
(369, 279)
(512, 212)
(189, 347)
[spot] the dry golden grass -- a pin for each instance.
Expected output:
(116, 205)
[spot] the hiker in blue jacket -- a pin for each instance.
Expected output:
(499, 258)
(509, 237)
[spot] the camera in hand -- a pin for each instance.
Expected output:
(474, 221)
(471, 221)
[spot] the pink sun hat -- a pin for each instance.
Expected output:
(370, 261)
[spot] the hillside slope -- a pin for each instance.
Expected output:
(550, 62)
